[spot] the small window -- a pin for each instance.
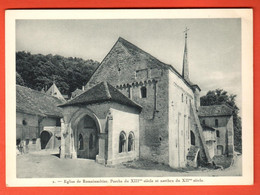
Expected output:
(80, 142)
(217, 133)
(192, 138)
(216, 122)
(24, 122)
(131, 142)
(203, 122)
(143, 92)
(122, 142)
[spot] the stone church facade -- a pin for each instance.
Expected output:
(155, 118)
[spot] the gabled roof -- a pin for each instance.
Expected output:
(102, 92)
(215, 110)
(37, 103)
(54, 91)
(135, 54)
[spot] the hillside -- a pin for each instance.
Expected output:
(38, 71)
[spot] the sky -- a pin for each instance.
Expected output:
(214, 45)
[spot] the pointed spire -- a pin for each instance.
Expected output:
(185, 68)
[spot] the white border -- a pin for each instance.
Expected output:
(247, 88)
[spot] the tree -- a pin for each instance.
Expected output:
(19, 79)
(218, 97)
(39, 71)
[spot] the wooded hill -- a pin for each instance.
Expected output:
(38, 71)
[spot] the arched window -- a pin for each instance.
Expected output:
(131, 142)
(217, 133)
(143, 92)
(122, 142)
(80, 144)
(216, 122)
(192, 138)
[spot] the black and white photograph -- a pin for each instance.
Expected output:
(129, 97)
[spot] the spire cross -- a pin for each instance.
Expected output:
(185, 31)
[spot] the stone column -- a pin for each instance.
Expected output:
(62, 141)
(110, 152)
(73, 152)
(101, 157)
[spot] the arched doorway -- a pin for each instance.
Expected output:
(45, 138)
(86, 138)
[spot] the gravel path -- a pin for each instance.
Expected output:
(45, 165)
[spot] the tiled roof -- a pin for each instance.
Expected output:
(102, 92)
(37, 103)
(215, 110)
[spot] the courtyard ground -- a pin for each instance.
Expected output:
(45, 165)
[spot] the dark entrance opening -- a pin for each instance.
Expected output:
(192, 138)
(86, 138)
(45, 138)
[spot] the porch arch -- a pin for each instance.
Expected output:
(81, 114)
(85, 138)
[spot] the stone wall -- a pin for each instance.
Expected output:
(129, 77)
(180, 122)
(225, 129)
(28, 128)
(111, 118)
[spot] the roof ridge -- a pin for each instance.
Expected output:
(122, 40)
(36, 91)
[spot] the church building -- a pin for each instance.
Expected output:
(135, 106)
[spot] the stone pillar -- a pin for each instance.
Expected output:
(63, 137)
(73, 152)
(101, 157)
(230, 137)
(110, 152)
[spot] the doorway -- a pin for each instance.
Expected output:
(45, 138)
(86, 138)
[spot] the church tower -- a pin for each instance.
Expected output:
(185, 66)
